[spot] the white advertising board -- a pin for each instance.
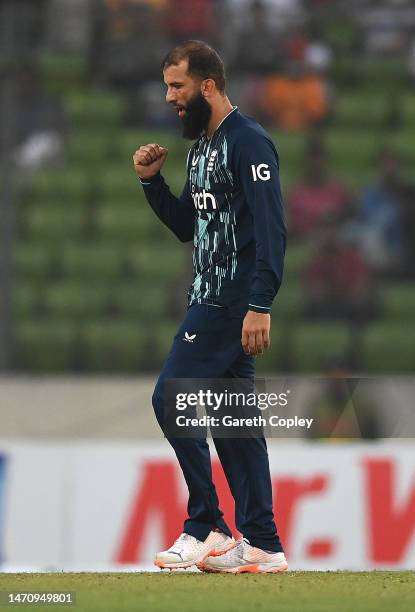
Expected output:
(111, 506)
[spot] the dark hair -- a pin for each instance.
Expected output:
(203, 61)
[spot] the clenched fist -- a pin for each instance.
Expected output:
(148, 160)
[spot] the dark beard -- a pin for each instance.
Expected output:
(196, 119)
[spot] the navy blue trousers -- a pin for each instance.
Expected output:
(216, 352)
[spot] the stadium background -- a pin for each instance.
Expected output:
(93, 286)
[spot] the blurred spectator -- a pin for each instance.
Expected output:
(68, 25)
(318, 54)
(189, 19)
(381, 209)
(282, 14)
(341, 31)
(296, 100)
(128, 44)
(387, 25)
(338, 282)
(287, 13)
(317, 196)
(127, 49)
(257, 50)
(295, 45)
(40, 122)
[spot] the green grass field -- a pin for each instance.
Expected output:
(189, 592)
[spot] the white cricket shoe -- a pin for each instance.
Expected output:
(187, 550)
(245, 558)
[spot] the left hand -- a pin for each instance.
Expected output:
(256, 332)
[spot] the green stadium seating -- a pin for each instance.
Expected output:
(175, 177)
(92, 261)
(290, 147)
(273, 361)
(68, 185)
(55, 222)
(154, 263)
(355, 177)
(377, 74)
(351, 148)
(290, 173)
(295, 261)
(95, 108)
(408, 109)
(63, 72)
(340, 34)
(95, 267)
(45, 344)
(114, 345)
(122, 222)
(27, 299)
(75, 300)
(389, 348)
(398, 302)
(143, 301)
(289, 303)
(89, 148)
(34, 260)
(119, 182)
(164, 334)
(130, 140)
(360, 108)
(314, 344)
(403, 142)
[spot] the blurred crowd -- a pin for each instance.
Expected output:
(279, 56)
(279, 53)
(356, 239)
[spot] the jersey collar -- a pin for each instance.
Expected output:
(220, 123)
(225, 117)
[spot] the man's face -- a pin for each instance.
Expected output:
(184, 93)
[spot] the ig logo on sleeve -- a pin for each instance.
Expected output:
(261, 172)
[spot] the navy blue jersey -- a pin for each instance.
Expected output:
(231, 207)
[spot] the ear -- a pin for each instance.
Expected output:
(208, 87)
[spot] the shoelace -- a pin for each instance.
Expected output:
(237, 552)
(253, 553)
(241, 543)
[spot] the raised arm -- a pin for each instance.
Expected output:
(178, 214)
